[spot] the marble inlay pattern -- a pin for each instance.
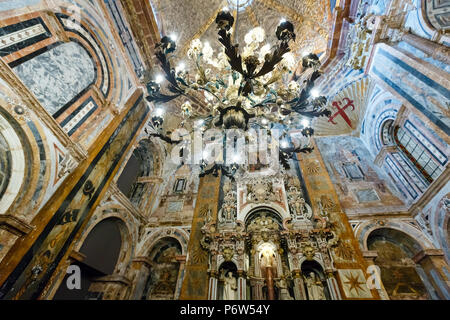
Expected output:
(57, 76)
(426, 91)
(21, 35)
(411, 172)
(75, 26)
(79, 117)
(407, 186)
(5, 164)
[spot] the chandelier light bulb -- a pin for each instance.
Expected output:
(305, 123)
(159, 78)
(225, 9)
(173, 37)
(159, 112)
(315, 93)
(181, 67)
(235, 158)
(284, 144)
(264, 121)
(283, 20)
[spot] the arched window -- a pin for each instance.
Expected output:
(418, 155)
(387, 132)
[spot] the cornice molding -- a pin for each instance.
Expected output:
(14, 225)
(126, 203)
(431, 192)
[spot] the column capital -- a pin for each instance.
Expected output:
(114, 278)
(180, 259)
(297, 273)
(143, 260)
(241, 273)
(77, 256)
(427, 253)
(370, 255)
(383, 153)
(214, 274)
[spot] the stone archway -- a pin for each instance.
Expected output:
(99, 256)
(402, 278)
(162, 282)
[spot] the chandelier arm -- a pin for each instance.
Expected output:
(165, 138)
(158, 97)
(234, 58)
(212, 93)
(168, 70)
(270, 64)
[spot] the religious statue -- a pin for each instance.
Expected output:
(284, 292)
(227, 214)
(297, 204)
(315, 288)
(267, 259)
(229, 286)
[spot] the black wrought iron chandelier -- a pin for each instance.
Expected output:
(254, 88)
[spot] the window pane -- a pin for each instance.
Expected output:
(423, 159)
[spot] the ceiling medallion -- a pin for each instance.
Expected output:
(252, 88)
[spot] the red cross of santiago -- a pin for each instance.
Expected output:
(341, 111)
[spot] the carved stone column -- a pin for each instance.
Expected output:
(195, 283)
(242, 285)
(370, 257)
(142, 267)
(213, 285)
(434, 50)
(433, 263)
(333, 286)
(257, 286)
(299, 287)
(182, 261)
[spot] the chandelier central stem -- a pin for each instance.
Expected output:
(237, 22)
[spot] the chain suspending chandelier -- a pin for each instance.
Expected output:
(245, 90)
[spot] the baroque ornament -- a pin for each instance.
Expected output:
(250, 89)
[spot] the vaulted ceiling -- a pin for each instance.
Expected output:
(195, 19)
(191, 19)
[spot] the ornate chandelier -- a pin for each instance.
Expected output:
(252, 89)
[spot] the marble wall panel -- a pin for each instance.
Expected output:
(363, 189)
(413, 83)
(57, 76)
